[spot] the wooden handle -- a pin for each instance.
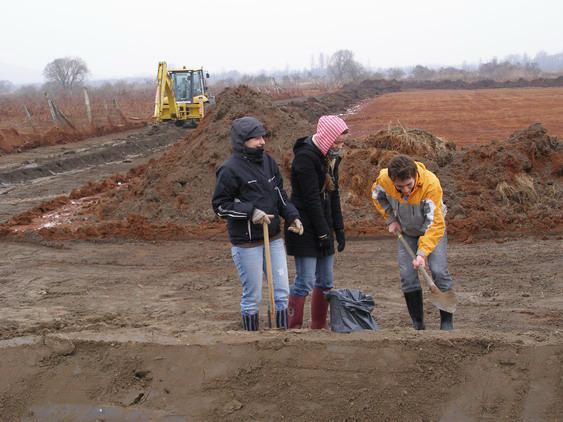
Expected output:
(271, 303)
(427, 279)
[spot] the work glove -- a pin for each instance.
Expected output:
(296, 227)
(340, 239)
(260, 217)
(324, 244)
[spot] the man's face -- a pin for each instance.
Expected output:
(405, 186)
(255, 143)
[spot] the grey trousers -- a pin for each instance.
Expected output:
(437, 261)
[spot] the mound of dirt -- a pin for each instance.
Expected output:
(510, 186)
(367, 156)
(177, 188)
(338, 102)
(513, 185)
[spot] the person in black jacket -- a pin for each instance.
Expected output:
(314, 184)
(249, 191)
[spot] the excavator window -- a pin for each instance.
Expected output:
(188, 85)
(182, 86)
(197, 84)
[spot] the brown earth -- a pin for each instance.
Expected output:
(512, 186)
(464, 116)
(11, 140)
(127, 330)
(132, 109)
(149, 330)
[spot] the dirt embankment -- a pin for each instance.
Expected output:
(12, 140)
(505, 187)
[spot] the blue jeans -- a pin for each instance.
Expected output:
(437, 261)
(251, 266)
(312, 272)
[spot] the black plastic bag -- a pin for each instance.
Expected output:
(350, 310)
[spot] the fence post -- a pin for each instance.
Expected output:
(107, 114)
(119, 111)
(88, 108)
(30, 118)
(58, 114)
(52, 110)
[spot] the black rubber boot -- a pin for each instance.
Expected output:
(446, 321)
(250, 322)
(281, 319)
(416, 310)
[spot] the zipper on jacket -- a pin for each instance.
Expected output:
(281, 197)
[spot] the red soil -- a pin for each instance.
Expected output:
(512, 186)
(17, 134)
(464, 116)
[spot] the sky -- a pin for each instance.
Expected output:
(127, 38)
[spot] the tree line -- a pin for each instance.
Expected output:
(66, 73)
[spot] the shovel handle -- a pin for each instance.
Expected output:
(427, 279)
(271, 303)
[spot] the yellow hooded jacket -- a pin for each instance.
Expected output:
(421, 214)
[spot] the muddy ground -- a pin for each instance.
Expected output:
(150, 330)
(140, 330)
(29, 178)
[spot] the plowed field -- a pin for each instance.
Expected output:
(464, 116)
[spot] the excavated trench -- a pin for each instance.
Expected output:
(32, 177)
(277, 376)
(78, 156)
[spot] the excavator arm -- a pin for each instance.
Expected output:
(165, 107)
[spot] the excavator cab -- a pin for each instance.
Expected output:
(188, 84)
(181, 95)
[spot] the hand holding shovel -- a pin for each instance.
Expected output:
(446, 301)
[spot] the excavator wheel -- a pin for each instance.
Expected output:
(190, 124)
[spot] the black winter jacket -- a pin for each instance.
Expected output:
(245, 182)
(318, 208)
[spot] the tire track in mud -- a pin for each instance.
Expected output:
(32, 177)
(135, 145)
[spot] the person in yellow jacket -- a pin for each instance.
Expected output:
(409, 198)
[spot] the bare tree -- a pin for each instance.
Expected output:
(6, 87)
(396, 73)
(343, 68)
(422, 73)
(66, 71)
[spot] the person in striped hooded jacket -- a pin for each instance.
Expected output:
(409, 198)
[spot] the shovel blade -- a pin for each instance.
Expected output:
(446, 301)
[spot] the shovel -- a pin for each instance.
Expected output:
(271, 303)
(446, 301)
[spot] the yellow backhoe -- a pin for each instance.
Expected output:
(181, 95)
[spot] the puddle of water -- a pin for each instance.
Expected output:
(87, 413)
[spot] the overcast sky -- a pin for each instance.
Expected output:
(121, 38)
